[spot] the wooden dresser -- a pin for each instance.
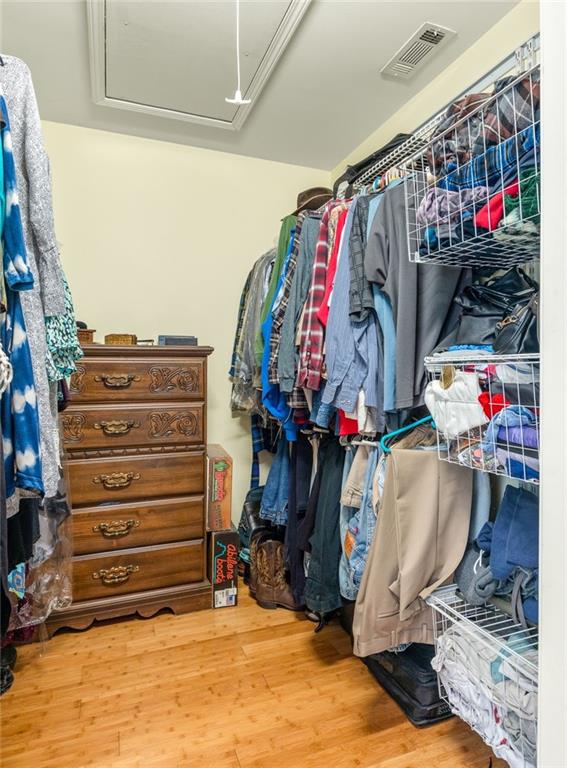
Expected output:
(135, 435)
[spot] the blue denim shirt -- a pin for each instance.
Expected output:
(351, 356)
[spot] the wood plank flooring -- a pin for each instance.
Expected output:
(231, 688)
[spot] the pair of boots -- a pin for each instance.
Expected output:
(267, 583)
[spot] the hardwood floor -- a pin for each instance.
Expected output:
(231, 688)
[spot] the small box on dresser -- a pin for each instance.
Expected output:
(135, 436)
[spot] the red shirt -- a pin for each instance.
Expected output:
(323, 313)
(490, 215)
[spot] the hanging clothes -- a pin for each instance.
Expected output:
(420, 539)
(62, 342)
(288, 224)
(301, 465)
(287, 356)
(322, 590)
(47, 296)
(421, 296)
(20, 417)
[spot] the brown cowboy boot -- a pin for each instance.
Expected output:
(264, 575)
(257, 538)
(272, 588)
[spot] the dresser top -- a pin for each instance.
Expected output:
(143, 350)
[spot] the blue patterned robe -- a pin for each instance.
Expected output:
(18, 407)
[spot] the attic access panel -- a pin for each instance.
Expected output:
(178, 59)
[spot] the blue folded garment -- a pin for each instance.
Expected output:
(531, 610)
(515, 537)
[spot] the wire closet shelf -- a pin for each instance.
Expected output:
(477, 203)
(486, 412)
(487, 666)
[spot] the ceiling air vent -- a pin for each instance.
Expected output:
(418, 50)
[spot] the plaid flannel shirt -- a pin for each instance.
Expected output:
(516, 108)
(312, 330)
(257, 446)
(279, 311)
(499, 165)
(244, 395)
(234, 363)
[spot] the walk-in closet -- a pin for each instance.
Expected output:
(282, 384)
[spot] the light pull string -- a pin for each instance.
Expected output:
(237, 99)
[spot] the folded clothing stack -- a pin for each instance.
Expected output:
(504, 560)
(488, 416)
(484, 157)
(490, 688)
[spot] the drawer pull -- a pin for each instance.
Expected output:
(116, 427)
(116, 479)
(117, 380)
(118, 574)
(116, 528)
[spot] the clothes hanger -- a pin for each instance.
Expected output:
(403, 430)
(361, 440)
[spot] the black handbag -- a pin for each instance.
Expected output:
(518, 333)
(486, 305)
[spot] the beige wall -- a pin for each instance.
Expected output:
(505, 36)
(158, 238)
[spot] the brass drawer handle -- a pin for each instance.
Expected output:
(116, 528)
(116, 479)
(116, 427)
(118, 574)
(117, 380)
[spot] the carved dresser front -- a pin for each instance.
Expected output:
(135, 436)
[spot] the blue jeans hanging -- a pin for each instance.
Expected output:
(276, 492)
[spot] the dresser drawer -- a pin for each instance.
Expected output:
(111, 426)
(115, 526)
(100, 379)
(126, 478)
(136, 570)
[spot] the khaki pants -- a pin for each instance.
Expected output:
(420, 539)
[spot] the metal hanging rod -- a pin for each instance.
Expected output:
(522, 59)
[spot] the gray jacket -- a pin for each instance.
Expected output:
(421, 295)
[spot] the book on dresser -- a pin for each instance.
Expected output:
(135, 438)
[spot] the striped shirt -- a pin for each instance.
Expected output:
(312, 331)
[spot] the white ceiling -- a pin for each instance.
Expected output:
(180, 58)
(324, 97)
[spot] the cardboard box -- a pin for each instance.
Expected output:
(219, 489)
(223, 567)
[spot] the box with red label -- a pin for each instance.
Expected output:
(219, 489)
(223, 566)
